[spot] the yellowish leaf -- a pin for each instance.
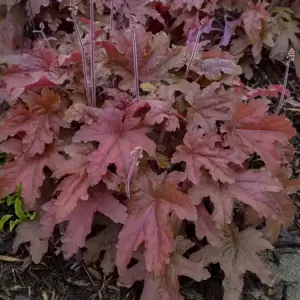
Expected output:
(148, 87)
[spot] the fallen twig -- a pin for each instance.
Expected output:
(10, 258)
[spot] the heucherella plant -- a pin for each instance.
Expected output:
(137, 111)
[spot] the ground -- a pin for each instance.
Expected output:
(57, 279)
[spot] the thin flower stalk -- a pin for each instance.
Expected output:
(111, 18)
(92, 59)
(210, 8)
(199, 33)
(290, 58)
(136, 154)
(83, 54)
(133, 22)
(31, 14)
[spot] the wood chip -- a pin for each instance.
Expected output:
(94, 273)
(16, 288)
(80, 283)
(112, 287)
(3, 297)
(44, 295)
(53, 296)
(26, 263)
(21, 297)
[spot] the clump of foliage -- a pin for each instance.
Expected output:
(19, 216)
(136, 111)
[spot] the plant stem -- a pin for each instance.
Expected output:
(42, 33)
(135, 58)
(128, 179)
(46, 39)
(290, 58)
(83, 57)
(162, 133)
(92, 33)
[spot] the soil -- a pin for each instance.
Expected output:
(57, 279)
(54, 278)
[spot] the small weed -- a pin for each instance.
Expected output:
(18, 215)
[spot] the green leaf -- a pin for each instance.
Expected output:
(3, 220)
(19, 191)
(31, 215)
(18, 210)
(10, 200)
(3, 201)
(13, 223)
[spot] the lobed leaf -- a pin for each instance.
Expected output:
(149, 222)
(166, 286)
(104, 241)
(237, 255)
(81, 216)
(121, 137)
(155, 57)
(140, 8)
(251, 130)
(29, 231)
(41, 121)
(201, 151)
(29, 172)
(162, 112)
(206, 227)
(208, 106)
(251, 187)
(36, 67)
(213, 68)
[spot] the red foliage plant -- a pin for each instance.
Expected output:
(180, 151)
